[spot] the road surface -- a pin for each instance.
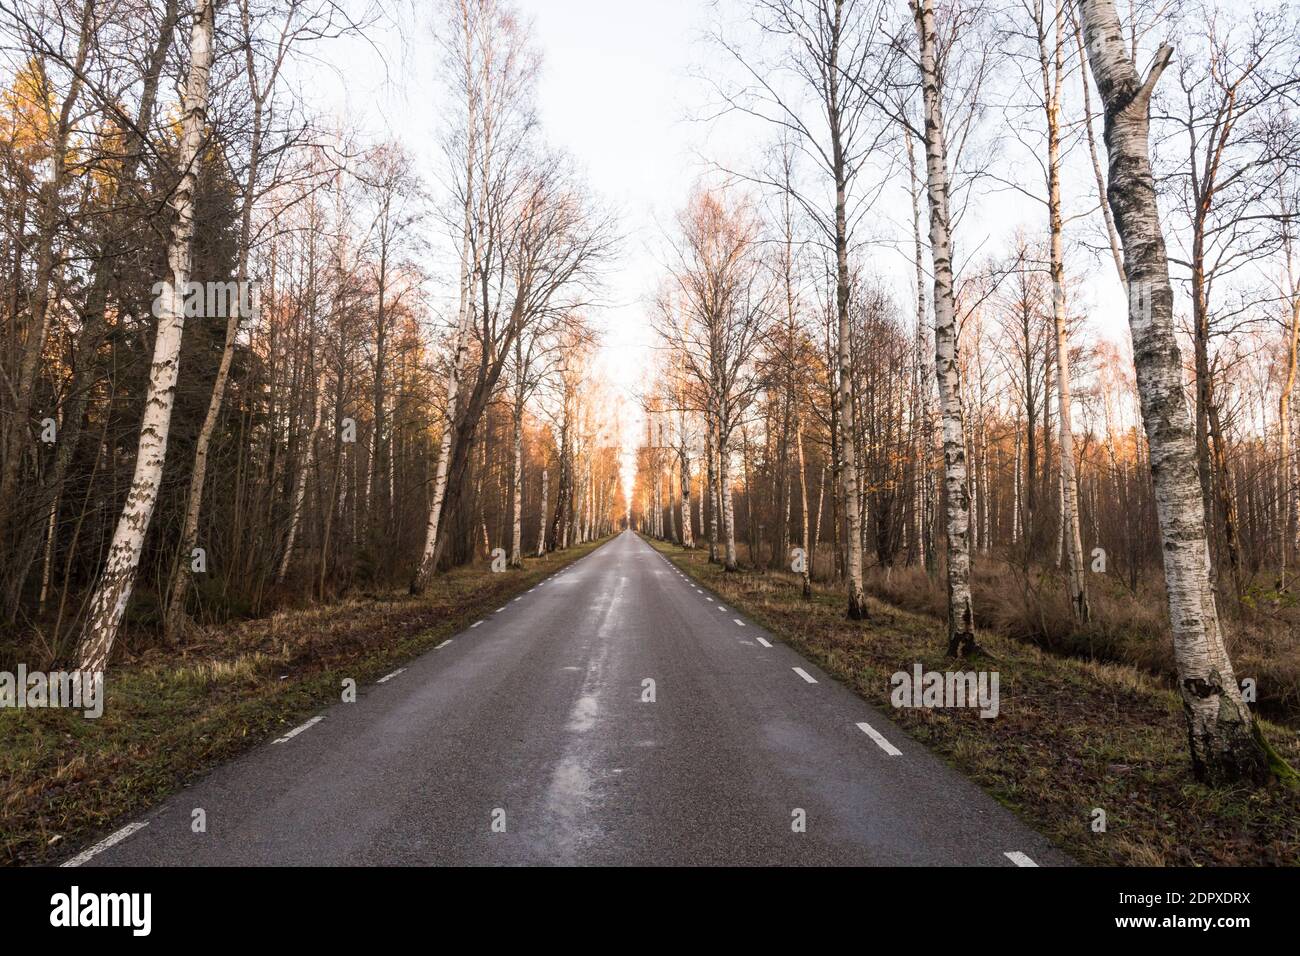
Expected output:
(528, 739)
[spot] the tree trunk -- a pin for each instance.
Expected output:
(688, 535)
(961, 615)
(109, 601)
(541, 530)
(1053, 72)
(806, 574)
(1290, 465)
(468, 260)
(1224, 743)
(517, 484)
(174, 609)
(300, 485)
(728, 514)
(711, 492)
(857, 599)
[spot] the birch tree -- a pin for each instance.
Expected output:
(108, 603)
(726, 316)
(1050, 33)
(1225, 744)
(961, 613)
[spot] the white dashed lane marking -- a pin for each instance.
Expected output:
(113, 839)
(475, 624)
(762, 641)
(387, 677)
(1018, 858)
(443, 644)
(739, 622)
(881, 742)
(805, 675)
(299, 729)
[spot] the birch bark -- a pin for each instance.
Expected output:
(1052, 66)
(108, 603)
(174, 613)
(1223, 740)
(961, 615)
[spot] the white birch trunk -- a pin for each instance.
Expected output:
(1071, 541)
(300, 486)
(688, 535)
(728, 513)
(806, 574)
(1223, 741)
(517, 486)
(429, 554)
(108, 603)
(174, 610)
(961, 614)
(541, 530)
(1290, 464)
(857, 599)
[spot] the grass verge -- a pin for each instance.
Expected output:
(1072, 736)
(173, 715)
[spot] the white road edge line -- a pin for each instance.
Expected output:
(805, 675)
(1018, 858)
(739, 622)
(113, 839)
(881, 742)
(387, 677)
(299, 729)
(762, 641)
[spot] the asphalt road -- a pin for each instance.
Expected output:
(526, 740)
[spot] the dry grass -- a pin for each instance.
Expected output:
(1072, 734)
(1126, 628)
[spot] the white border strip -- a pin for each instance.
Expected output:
(113, 839)
(299, 729)
(881, 742)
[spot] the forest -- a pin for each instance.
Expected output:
(328, 426)
(984, 312)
